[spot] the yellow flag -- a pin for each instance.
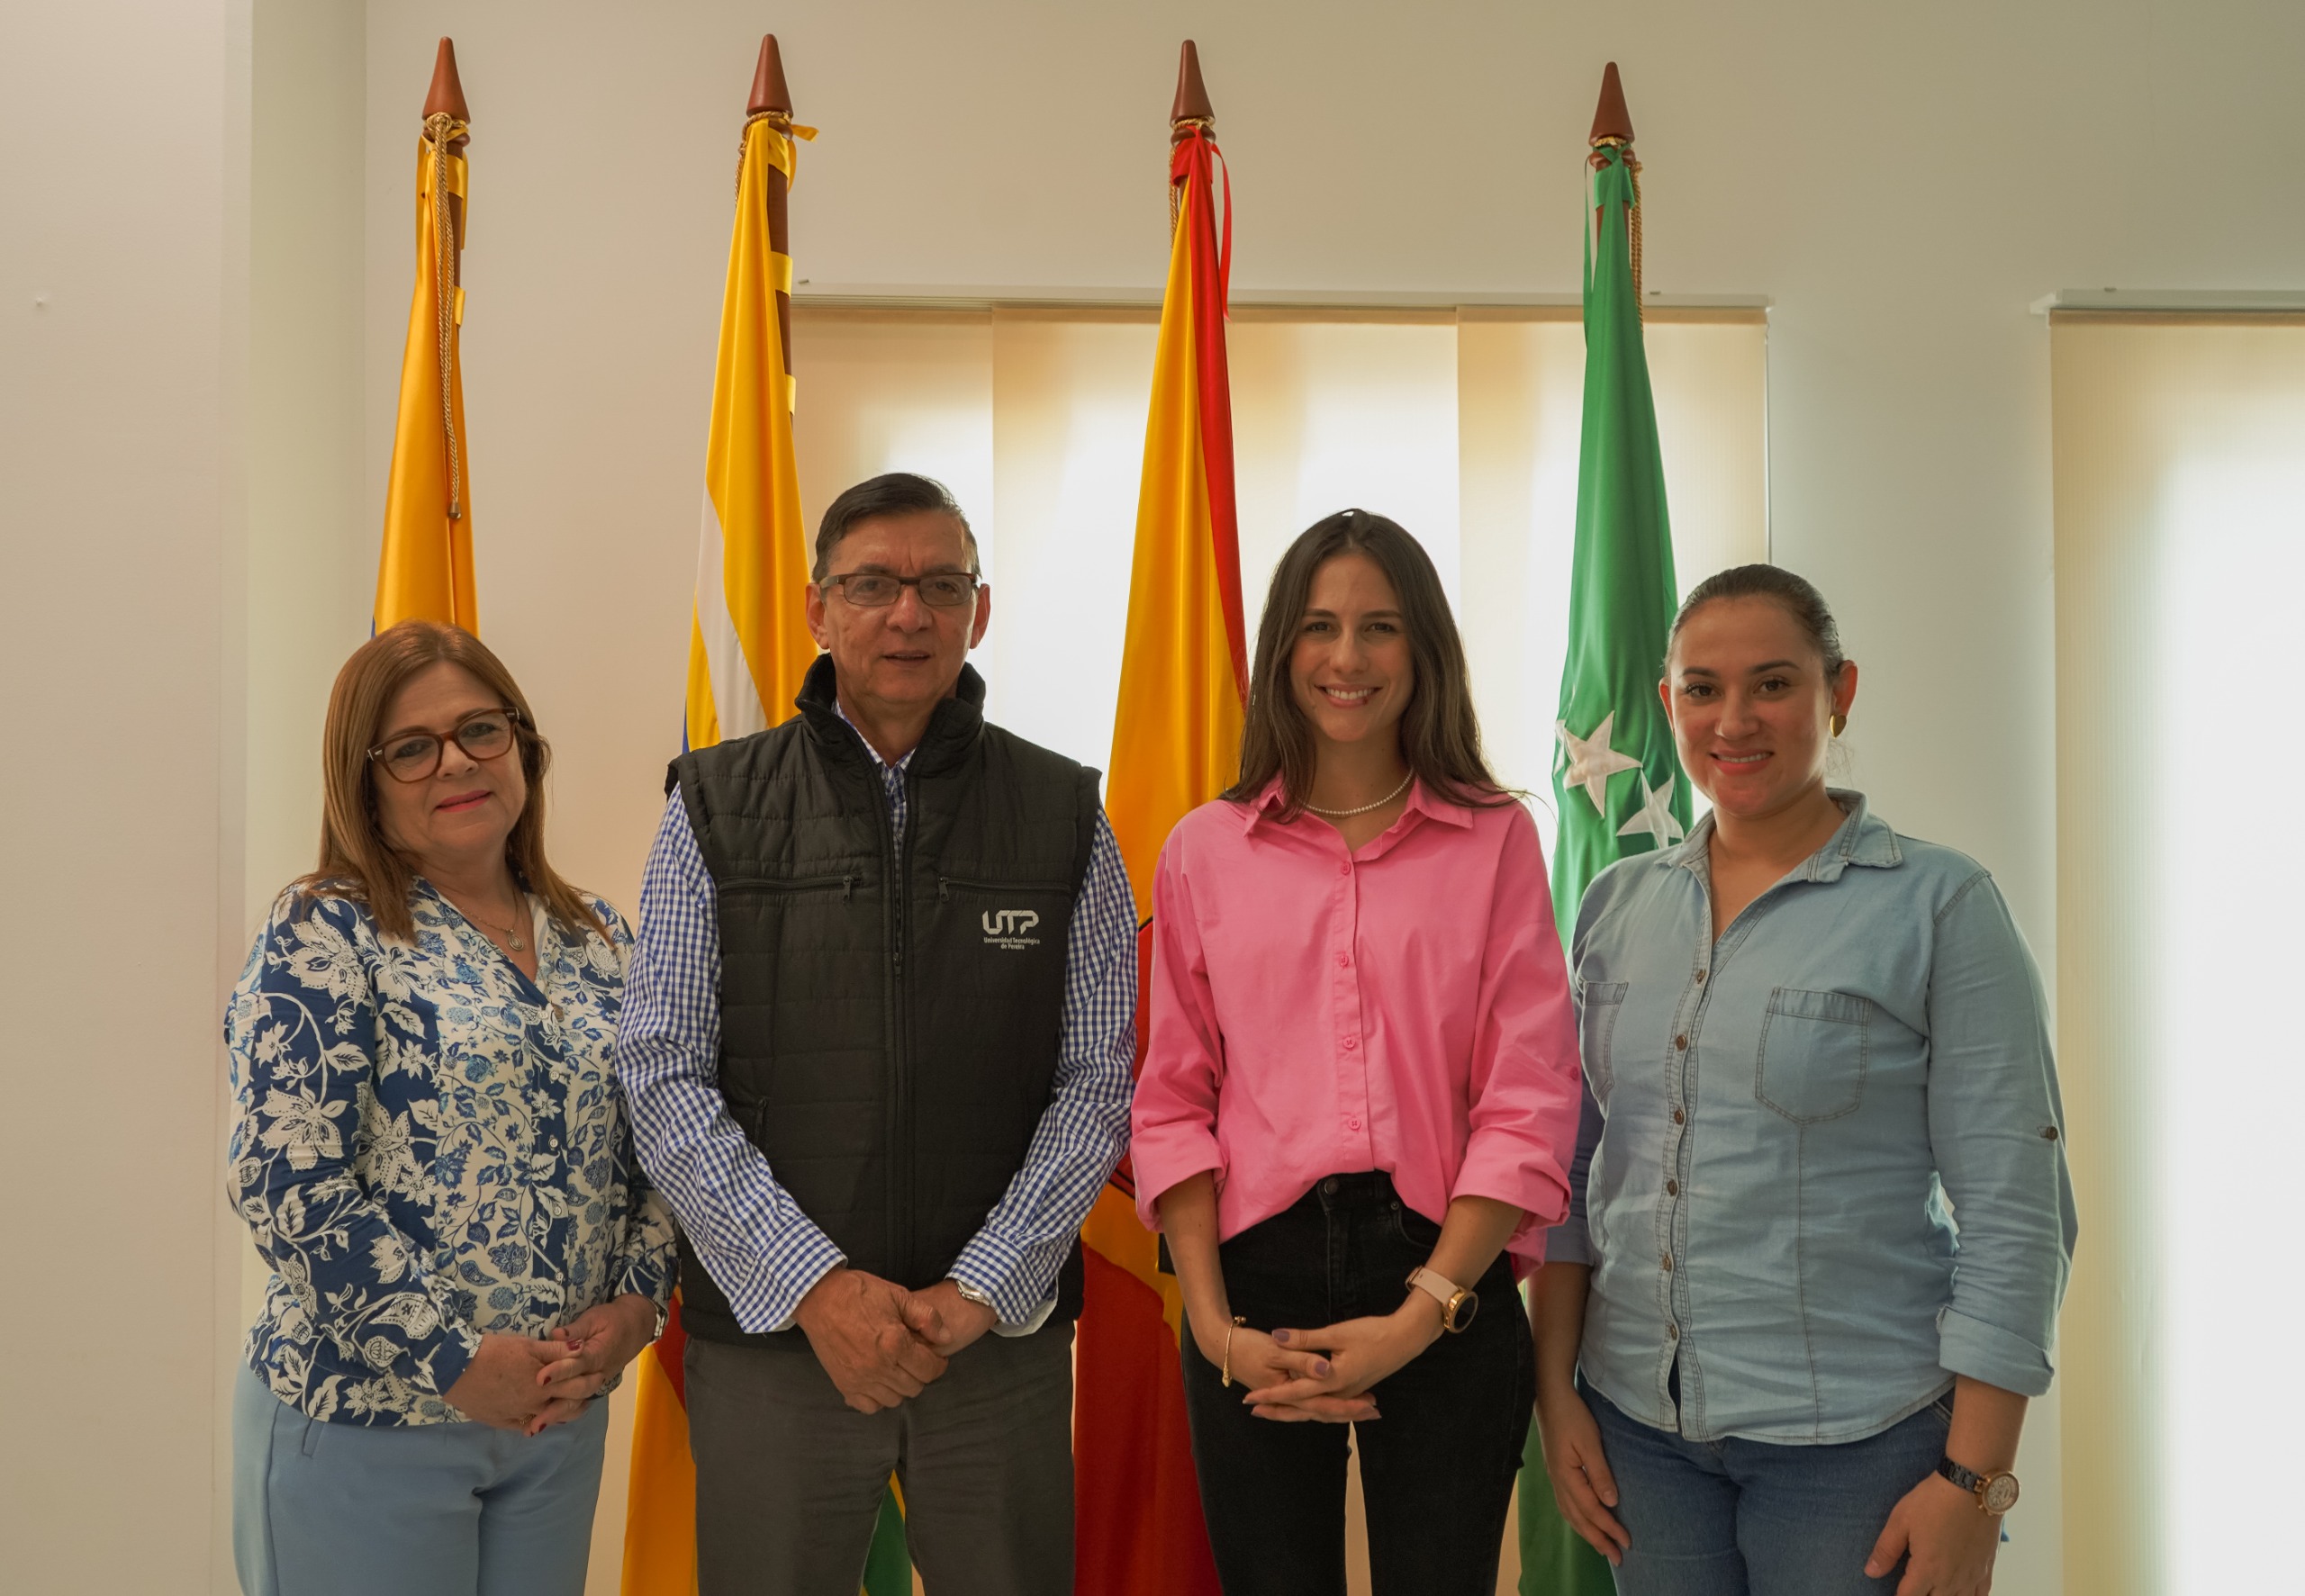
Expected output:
(425, 573)
(748, 644)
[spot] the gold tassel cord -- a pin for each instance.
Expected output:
(779, 121)
(1633, 216)
(1205, 125)
(443, 130)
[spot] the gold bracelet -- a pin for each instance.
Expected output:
(1226, 1373)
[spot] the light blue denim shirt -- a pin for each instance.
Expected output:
(1782, 1127)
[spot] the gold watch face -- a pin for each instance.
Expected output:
(2000, 1493)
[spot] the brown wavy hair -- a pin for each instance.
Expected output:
(355, 862)
(1440, 735)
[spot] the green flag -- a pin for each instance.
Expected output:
(887, 1566)
(1618, 786)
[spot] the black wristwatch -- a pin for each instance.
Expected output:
(1995, 1491)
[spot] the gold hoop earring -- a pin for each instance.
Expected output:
(1840, 723)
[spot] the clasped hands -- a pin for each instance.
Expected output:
(882, 1344)
(1324, 1375)
(531, 1384)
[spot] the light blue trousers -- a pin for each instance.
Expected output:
(443, 1510)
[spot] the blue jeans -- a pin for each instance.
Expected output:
(445, 1509)
(1730, 1517)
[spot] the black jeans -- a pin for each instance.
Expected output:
(1436, 1471)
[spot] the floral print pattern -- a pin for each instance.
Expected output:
(430, 1147)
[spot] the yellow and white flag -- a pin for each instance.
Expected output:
(748, 648)
(749, 645)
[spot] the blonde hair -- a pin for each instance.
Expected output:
(356, 861)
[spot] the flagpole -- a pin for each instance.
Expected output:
(424, 567)
(446, 113)
(447, 98)
(1612, 125)
(773, 99)
(1191, 105)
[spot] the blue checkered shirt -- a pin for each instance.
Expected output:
(758, 1245)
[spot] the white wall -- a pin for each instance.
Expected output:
(1902, 183)
(122, 304)
(1899, 181)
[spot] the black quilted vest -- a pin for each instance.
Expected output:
(891, 1009)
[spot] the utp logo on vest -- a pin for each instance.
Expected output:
(1008, 928)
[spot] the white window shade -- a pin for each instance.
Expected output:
(1462, 425)
(2180, 483)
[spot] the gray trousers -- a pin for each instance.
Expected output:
(788, 1478)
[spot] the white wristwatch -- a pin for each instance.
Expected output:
(970, 1294)
(1458, 1302)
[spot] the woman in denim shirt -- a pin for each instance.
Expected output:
(1822, 1219)
(432, 1154)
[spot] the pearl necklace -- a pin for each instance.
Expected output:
(1364, 809)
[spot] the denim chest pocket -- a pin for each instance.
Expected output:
(1812, 1054)
(1596, 1022)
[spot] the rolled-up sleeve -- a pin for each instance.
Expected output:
(1996, 1127)
(1525, 1083)
(1173, 1119)
(1571, 1241)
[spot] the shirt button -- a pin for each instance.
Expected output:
(1344, 961)
(1700, 977)
(1345, 869)
(1352, 1124)
(1681, 1043)
(1352, 1042)
(1678, 1116)
(1669, 1263)
(1672, 1188)
(1672, 1332)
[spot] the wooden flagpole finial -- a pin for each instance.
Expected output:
(447, 92)
(1610, 119)
(769, 93)
(1192, 94)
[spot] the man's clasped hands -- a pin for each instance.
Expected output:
(882, 1344)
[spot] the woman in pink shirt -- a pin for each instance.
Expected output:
(1360, 1091)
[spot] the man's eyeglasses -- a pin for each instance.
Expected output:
(877, 589)
(414, 755)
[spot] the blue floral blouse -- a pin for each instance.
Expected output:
(429, 1147)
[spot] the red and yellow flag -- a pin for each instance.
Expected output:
(1175, 744)
(425, 570)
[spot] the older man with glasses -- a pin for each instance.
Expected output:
(877, 1039)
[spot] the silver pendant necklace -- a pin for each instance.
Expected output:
(1364, 809)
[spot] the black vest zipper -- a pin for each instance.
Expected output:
(901, 1137)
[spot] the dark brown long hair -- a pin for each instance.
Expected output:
(356, 861)
(1440, 736)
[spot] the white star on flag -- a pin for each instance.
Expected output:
(1656, 817)
(1592, 762)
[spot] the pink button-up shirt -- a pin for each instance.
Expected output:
(1316, 1011)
